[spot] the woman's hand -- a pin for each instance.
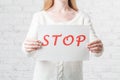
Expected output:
(95, 46)
(32, 45)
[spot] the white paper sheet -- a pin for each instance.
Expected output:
(56, 51)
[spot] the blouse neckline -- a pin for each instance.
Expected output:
(69, 21)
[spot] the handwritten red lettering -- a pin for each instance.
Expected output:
(80, 39)
(67, 38)
(47, 42)
(56, 38)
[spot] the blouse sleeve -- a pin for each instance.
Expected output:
(31, 34)
(93, 36)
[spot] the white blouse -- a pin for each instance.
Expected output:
(47, 70)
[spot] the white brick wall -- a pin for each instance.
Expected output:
(15, 17)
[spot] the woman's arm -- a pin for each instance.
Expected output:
(31, 44)
(95, 45)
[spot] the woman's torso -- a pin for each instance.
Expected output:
(47, 70)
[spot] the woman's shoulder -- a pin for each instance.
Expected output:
(85, 17)
(84, 14)
(39, 16)
(38, 13)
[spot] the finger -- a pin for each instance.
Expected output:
(32, 43)
(97, 41)
(32, 47)
(94, 42)
(30, 50)
(95, 45)
(96, 49)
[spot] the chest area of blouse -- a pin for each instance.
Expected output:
(77, 21)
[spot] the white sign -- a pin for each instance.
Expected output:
(63, 42)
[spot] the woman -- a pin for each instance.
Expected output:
(58, 12)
